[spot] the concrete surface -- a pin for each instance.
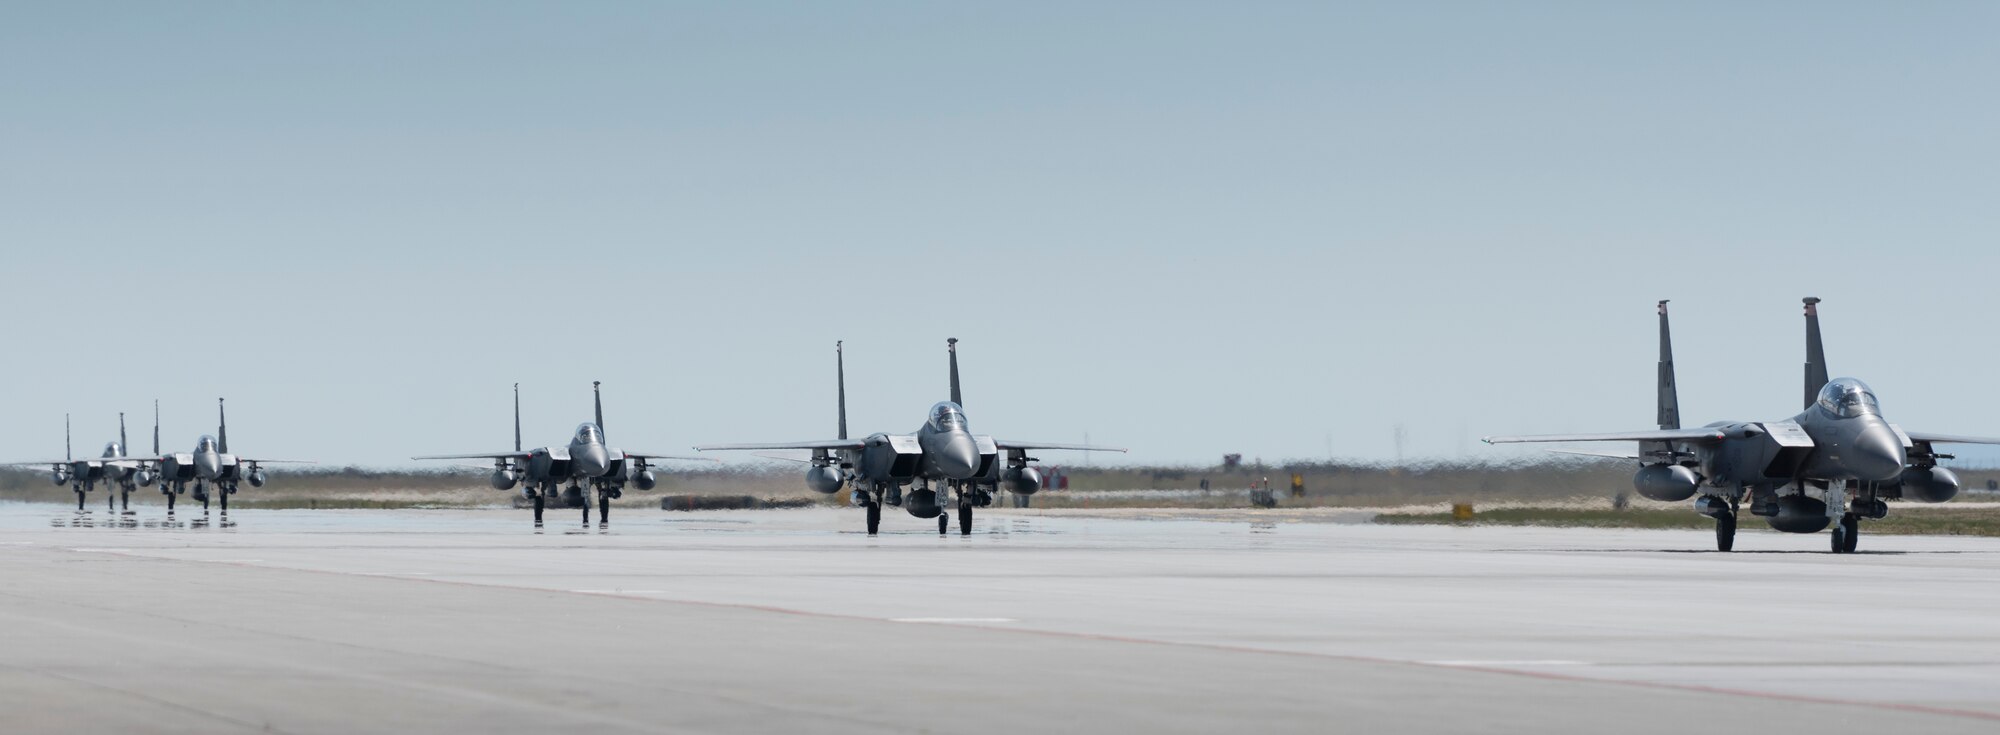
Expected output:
(790, 621)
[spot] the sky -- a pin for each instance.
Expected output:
(1287, 230)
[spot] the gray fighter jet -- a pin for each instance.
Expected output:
(210, 467)
(112, 468)
(543, 472)
(943, 450)
(1833, 464)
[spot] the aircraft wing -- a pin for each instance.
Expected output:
(38, 464)
(825, 444)
(1011, 444)
(651, 457)
(1658, 435)
(247, 460)
(1599, 455)
(1919, 436)
(519, 456)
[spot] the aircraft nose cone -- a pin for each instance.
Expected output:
(1877, 455)
(207, 465)
(593, 462)
(956, 456)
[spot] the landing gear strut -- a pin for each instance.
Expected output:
(79, 498)
(603, 508)
(538, 508)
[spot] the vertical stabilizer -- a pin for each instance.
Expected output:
(840, 378)
(952, 346)
(221, 428)
(517, 417)
(1815, 352)
(122, 447)
(597, 397)
(156, 427)
(66, 450)
(1669, 393)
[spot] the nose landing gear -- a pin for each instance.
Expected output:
(1847, 534)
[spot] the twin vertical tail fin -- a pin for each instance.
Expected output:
(221, 428)
(597, 397)
(951, 345)
(1815, 352)
(1816, 377)
(123, 448)
(1669, 394)
(840, 378)
(66, 450)
(156, 427)
(517, 417)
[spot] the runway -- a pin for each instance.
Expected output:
(789, 621)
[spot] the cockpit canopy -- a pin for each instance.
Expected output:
(205, 444)
(947, 416)
(1848, 398)
(588, 433)
(113, 450)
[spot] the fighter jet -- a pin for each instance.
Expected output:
(209, 467)
(112, 468)
(542, 472)
(943, 450)
(1833, 464)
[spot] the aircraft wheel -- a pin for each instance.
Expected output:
(965, 519)
(874, 516)
(1852, 523)
(538, 509)
(603, 508)
(944, 523)
(222, 494)
(1839, 538)
(79, 500)
(1725, 532)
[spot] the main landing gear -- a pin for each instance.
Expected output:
(874, 515)
(540, 502)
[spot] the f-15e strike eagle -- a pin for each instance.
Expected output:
(543, 472)
(943, 450)
(209, 467)
(1832, 464)
(111, 467)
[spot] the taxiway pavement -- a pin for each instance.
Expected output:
(789, 621)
